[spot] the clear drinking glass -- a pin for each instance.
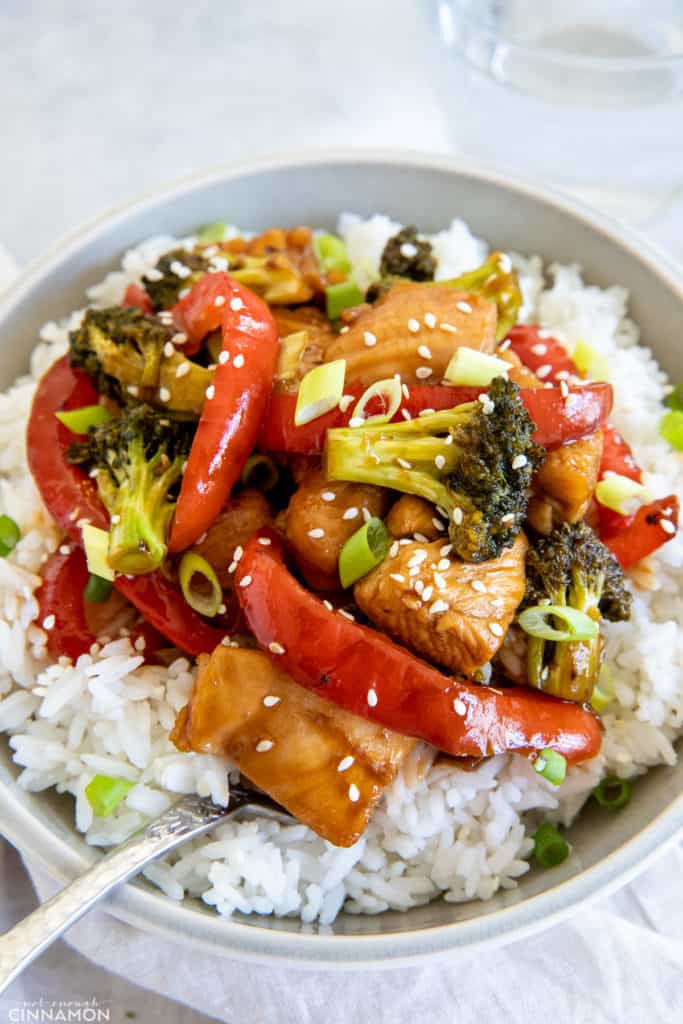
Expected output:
(586, 94)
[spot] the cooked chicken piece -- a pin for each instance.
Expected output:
(412, 515)
(247, 512)
(334, 508)
(565, 484)
(453, 613)
(295, 361)
(398, 349)
(326, 766)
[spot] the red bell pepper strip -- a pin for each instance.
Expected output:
(231, 419)
(343, 661)
(70, 495)
(617, 456)
(632, 538)
(558, 419)
(538, 350)
(135, 295)
(60, 601)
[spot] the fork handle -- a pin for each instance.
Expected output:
(185, 820)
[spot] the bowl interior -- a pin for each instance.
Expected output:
(606, 848)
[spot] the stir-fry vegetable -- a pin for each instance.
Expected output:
(331, 253)
(632, 538)
(60, 601)
(10, 535)
(542, 353)
(621, 493)
(537, 622)
(408, 255)
(96, 547)
(97, 589)
(612, 792)
(365, 549)
(470, 368)
(671, 429)
(199, 584)
(104, 793)
(341, 296)
(366, 673)
(552, 766)
(120, 348)
(496, 281)
(550, 848)
(79, 421)
(320, 391)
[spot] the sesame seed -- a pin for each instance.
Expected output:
(464, 307)
(347, 615)
(665, 511)
(345, 401)
(372, 698)
(439, 461)
(421, 538)
(219, 300)
(263, 746)
(449, 328)
(424, 351)
(64, 549)
(222, 609)
(419, 586)
(316, 533)
(350, 513)
(345, 763)
(439, 606)
(667, 526)
(460, 707)
(437, 524)
(238, 552)
(164, 316)
(443, 565)
(418, 557)
(116, 518)
(399, 577)
(344, 329)
(182, 369)
(457, 516)
(509, 517)
(354, 793)
(505, 263)
(430, 320)
(238, 361)
(408, 250)
(478, 586)
(226, 641)
(427, 593)
(179, 338)
(426, 412)
(539, 764)
(140, 644)
(367, 514)
(236, 304)
(328, 605)
(393, 550)
(413, 325)
(270, 701)
(356, 421)
(49, 622)
(496, 629)
(544, 371)
(265, 541)
(164, 394)
(179, 269)
(504, 345)
(245, 581)
(405, 414)
(519, 461)
(423, 372)
(133, 390)
(404, 464)
(406, 392)
(183, 292)
(328, 495)
(275, 648)
(414, 570)
(440, 581)
(169, 349)
(224, 357)
(540, 349)
(369, 338)
(564, 388)
(445, 550)
(210, 392)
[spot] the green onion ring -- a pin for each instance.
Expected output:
(535, 622)
(364, 550)
(192, 565)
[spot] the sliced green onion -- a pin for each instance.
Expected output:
(364, 549)
(79, 421)
(96, 544)
(342, 296)
(621, 493)
(551, 765)
(612, 792)
(261, 472)
(536, 622)
(603, 692)
(10, 534)
(675, 397)
(208, 600)
(331, 253)
(550, 848)
(589, 361)
(97, 590)
(389, 391)
(470, 368)
(320, 391)
(289, 354)
(671, 429)
(214, 232)
(104, 794)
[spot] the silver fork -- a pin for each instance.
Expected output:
(185, 820)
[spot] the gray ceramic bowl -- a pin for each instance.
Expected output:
(608, 849)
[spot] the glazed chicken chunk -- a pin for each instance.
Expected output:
(414, 330)
(565, 484)
(326, 766)
(412, 515)
(247, 512)
(452, 613)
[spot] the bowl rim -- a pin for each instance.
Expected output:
(151, 910)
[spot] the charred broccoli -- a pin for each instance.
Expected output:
(137, 461)
(475, 462)
(572, 568)
(119, 347)
(175, 271)
(406, 255)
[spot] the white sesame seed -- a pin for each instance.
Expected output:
(179, 338)
(356, 421)
(419, 586)
(219, 300)
(404, 464)
(544, 371)
(345, 401)
(222, 609)
(440, 581)
(460, 707)
(478, 586)
(667, 526)
(413, 325)
(345, 763)
(316, 533)
(405, 414)
(408, 250)
(179, 269)
(265, 541)
(504, 345)
(430, 320)
(424, 351)
(226, 641)
(140, 644)
(238, 361)
(275, 648)
(238, 552)
(445, 550)
(64, 549)
(182, 369)
(509, 517)
(449, 328)
(245, 581)
(367, 514)
(224, 357)
(406, 392)
(665, 511)
(270, 701)
(539, 764)
(397, 576)
(423, 372)
(439, 606)
(427, 593)
(164, 394)
(169, 349)
(49, 622)
(347, 615)
(328, 495)
(344, 329)
(263, 746)
(414, 570)
(418, 557)
(464, 307)
(496, 629)
(519, 461)
(369, 338)
(372, 698)
(457, 516)
(443, 565)
(393, 550)
(437, 524)
(540, 349)
(350, 513)
(421, 538)
(116, 518)
(210, 392)
(426, 412)
(236, 304)
(183, 292)
(354, 793)
(505, 263)
(439, 461)
(328, 605)
(564, 388)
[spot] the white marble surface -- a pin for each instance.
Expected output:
(100, 101)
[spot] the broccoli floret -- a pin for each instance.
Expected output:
(572, 567)
(475, 462)
(175, 271)
(119, 347)
(406, 255)
(137, 461)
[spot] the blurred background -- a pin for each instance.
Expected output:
(102, 101)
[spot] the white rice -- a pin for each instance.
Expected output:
(462, 835)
